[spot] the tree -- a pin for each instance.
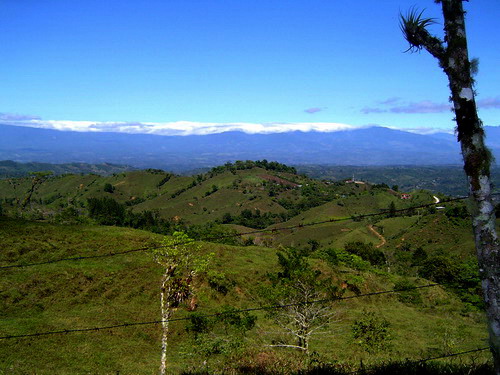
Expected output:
(108, 188)
(36, 180)
(182, 261)
(392, 210)
(366, 251)
(304, 294)
(453, 58)
(106, 211)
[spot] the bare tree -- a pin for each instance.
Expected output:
(305, 296)
(36, 180)
(453, 58)
(302, 318)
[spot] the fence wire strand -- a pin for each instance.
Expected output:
(216, 238)
(251, 309)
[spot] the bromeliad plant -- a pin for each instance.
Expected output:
(453, 57)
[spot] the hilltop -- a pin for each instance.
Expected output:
(240, 197)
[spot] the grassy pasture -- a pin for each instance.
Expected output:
(119, 289)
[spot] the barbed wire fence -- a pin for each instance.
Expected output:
(235, 235)
(272, 231)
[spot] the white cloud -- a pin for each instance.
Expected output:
(182, 127)
(424, 131)
(199, 128)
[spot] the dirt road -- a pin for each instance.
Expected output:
(382, 238)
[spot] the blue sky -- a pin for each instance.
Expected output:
(176, 66)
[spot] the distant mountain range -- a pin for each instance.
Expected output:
(9, 168)
(374, 146)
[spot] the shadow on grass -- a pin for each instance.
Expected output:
(394, 368)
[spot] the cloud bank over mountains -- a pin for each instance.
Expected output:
(173, 128)
(185, 128)
(394, 105)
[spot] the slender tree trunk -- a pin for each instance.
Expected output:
(453, 58)
(477, 160)
(29, 193)
(165, 316)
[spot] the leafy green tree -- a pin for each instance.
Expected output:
(106, 211)
(419, 256)
(453, 57)
(392, 210)
(439, 268)
(366, 251)
(182, 260)
(108, 188)
(214, 232)
(314, 244)
(227, 218)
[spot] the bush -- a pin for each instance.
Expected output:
(108, 188)
(371, 332)
(219, 282)
(106, 211)
(329, 255)
(352, 260)
(419, 256)
(222, 334)
(440, 269)
(407, 294)
(458, 212)
(69, 215)
(366, 251)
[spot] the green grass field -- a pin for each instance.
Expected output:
(114, 290)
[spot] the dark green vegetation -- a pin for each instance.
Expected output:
(393, 368)
(337, 259)
(449, 180)
(444, 179)
(9, 168)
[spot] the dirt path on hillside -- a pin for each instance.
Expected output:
(382, 238)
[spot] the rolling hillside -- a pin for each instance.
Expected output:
(109, 291)
(358, 254)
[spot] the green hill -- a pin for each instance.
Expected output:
(387, 249)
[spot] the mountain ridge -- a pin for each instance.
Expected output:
(363, 146)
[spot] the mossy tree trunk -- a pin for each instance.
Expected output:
(453, 59)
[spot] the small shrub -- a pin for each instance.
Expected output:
(108, 188)
(407, 294)
(219, 282)
(371, 332)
